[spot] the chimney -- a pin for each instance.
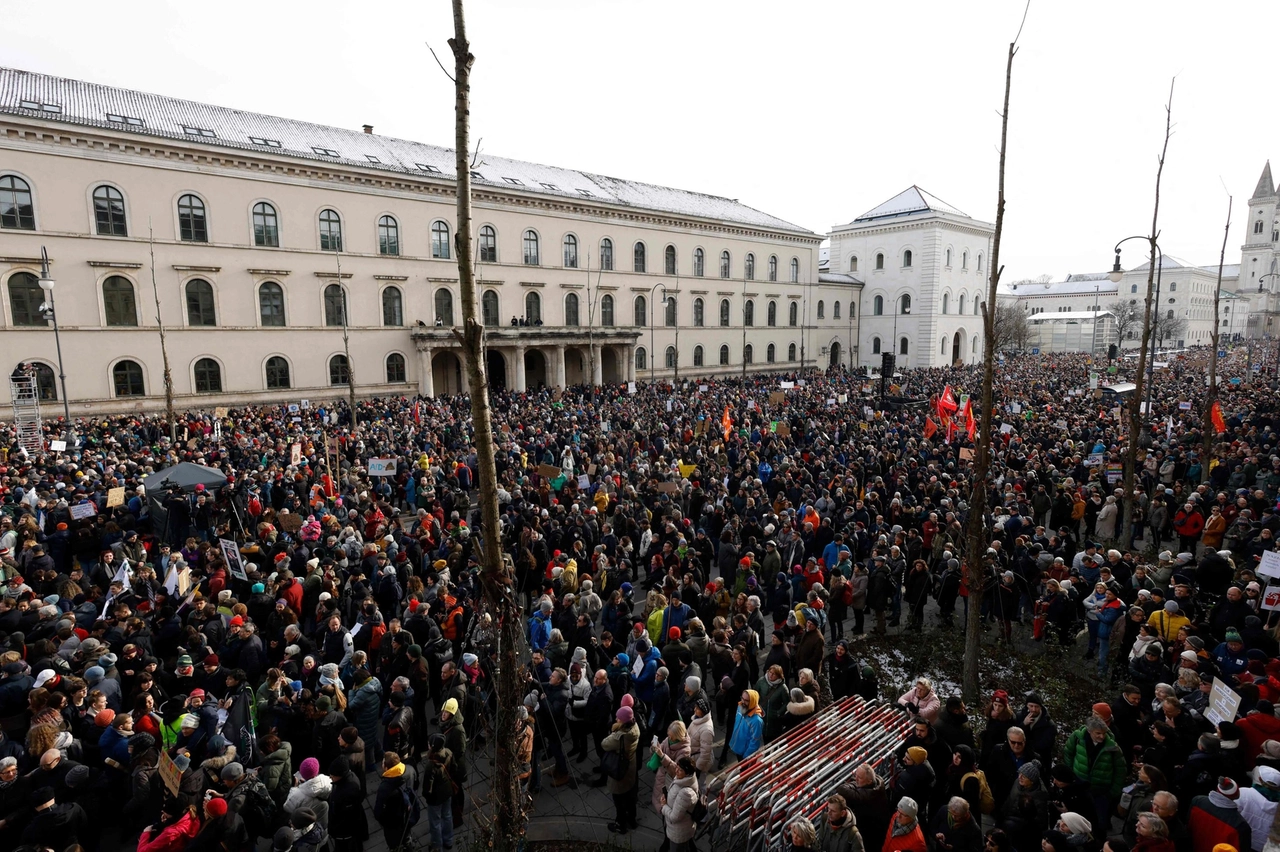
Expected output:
(368, 128)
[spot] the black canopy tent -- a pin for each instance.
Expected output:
(182, 477)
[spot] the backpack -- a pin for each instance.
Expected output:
(699, 812)
(259, 809)
(986, 800)
(412, 805)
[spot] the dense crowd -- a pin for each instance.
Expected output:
(696, 564)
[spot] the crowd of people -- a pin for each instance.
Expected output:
(696, 565)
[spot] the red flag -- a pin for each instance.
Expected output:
(930, 428)
(947, 402)
(972, 426)
(727, 423)
(417, 412)
(951, 428)
(1215, 414)
(966, 417)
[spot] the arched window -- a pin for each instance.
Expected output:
(877, 306)
(697, 356)
(791, 352)
(671, 308)
(25, 298)
(439, 240)
(606, 254)
(749, 312)
(277, 373)
(638, 258)
(946, 302)
(669, 358)
(795, 270)
(948, 264)
(853, 263)
(127, 378)
(330, 230)
(773, 267)
(488, 244)
(822, 309)
(1170, 316)
(875, 346)
(108, 211)
(208, 376)
(904, 304)
(339, 370)
(335, 305)
(748, 354)
(793, 314)
(571, 309)
(266, 226)
(530, 241)
(669, 260)
(771, 354)
(974, 345)
(533, 308)
(395, 369)
(192, 227)
(944, 345)
(489, 309)
(46, 384)
(724, 313)
(640, 315)
(749, 267)
(443, 305)
(699, 262)
(964, 259)
(771, 313)
(16, 208)
(906, 258)
(698, 319)
(118, 301)
(879, 261)
(979, 261)
(393, 307)
(200, 303)
(903, 346)
(606, 310)
(1133, 288)
(977, 305)
(724, 354)
(962, 295)
(642, 360)
(570, 251)
(271, 304)
(724, 264)
(853, 309)
(835, 310)
(389, 237)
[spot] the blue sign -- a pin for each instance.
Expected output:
(1222, 353)
(1035, 350)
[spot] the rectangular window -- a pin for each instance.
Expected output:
(372, 158)
(199, 131)
(269, 143)
(125, 119)
(428, 169)
(550, 186)
(325, 152)
(513, 181)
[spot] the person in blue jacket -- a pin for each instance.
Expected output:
(748, 728)
(540, 627)
(645, 670)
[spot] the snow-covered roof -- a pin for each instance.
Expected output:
(1086, 286)
(838, 278)
(1074, 316)
(1229, 270)
(60, 99)
(909, 202)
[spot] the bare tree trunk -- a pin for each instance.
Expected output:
(1206, 420)
(507, 826)
(346, 346)
(1136, 416)
(977, 539)
(164, 352)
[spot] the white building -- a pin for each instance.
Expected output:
(252, 216)
(1260, 259)
(923, 264)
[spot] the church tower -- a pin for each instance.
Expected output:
(1262, 237)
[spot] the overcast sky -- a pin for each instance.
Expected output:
(811, 111)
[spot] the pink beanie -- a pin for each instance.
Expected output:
(628, 701)
(625, 715)
(309, 769)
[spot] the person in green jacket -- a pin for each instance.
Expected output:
(774, 696)
(1094, 757)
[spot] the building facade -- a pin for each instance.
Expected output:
(1260, 259)
(279, 246)
(922, 264)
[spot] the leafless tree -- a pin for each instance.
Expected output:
(1127, 315)
(1207, 426)
(1013, 327)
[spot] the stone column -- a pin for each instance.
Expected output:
(597, 371)
(629, 371)
(520, 376)
(425, 383)
(559, 367)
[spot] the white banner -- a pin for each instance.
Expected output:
(382, 467)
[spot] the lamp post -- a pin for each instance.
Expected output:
(47, 284)
(653, 355)
(1151, 319)
(905, 310)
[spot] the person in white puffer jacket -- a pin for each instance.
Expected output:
(310, 790)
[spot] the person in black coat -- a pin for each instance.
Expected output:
(389, 807)
(919, 585)
(1126, 719)
(953, 725)
(54, 825)
(1004, 762)
(842, 671)
(955, 828)
(348, 825)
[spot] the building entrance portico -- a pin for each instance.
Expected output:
(541, 357)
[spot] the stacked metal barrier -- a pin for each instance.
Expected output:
(793, 775)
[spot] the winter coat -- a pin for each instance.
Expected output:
(702, 742)
(911, 841)
(274, 771)
(312, 794)
(173, 838)
(927, 707)
(364, 706)
(748, 734)
(773, 701)
(670, 753)
(842, 838)
(677, 813)
(1106, 775)
(1215, 819)
(624, 740)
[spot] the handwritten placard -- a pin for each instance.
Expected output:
(57, 446)
(81, 511)
(115, 497)
(379, 467)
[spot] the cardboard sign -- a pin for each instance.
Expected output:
(548, 471)
(631, 387)
(169, 773)
(220, 412)
(380, 467)
(591, 470)
(1270, 564)
(291, 522)
(702, 388)
(115, 497)
(787, 385)
(669, 487)
(1223, 703)
(57, 446)
(81, 511)
(842, 398)
(295, 454)
(967, 454)
(584, 481)
(1184, 406)
(1271, 600)
(783, 429)
(777, 398)
(231, 554)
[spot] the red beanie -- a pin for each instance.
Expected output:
(216, 807)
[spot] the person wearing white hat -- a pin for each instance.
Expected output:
(1257, 804)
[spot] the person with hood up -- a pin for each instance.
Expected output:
(904, 833)
(799, 709)
(748, 728)
(1216, 818)
(1258, 804)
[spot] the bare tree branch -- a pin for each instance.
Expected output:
(441, 64)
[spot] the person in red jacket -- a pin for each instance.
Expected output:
(1188, 523)
(1259, 726)
(175, 829)
(904, 834)
(1215, 819)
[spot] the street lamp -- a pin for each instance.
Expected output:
(47, 284)
(1116, 275)
(905, 310)
(653, 355)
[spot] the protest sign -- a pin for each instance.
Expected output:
(1270, 564)
(295, 454)
(57, 446)
(291, 522)
(115, 497)
(966, 454)
(81, 511)
(584, 481)
(382, 467)
(548, 471)
(231, 554)
(170, 774)
(1223, 703)
(777, 398)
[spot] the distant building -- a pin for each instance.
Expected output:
(1260, 259)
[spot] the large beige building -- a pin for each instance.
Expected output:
(274, 238)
